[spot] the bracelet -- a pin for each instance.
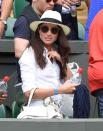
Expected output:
(3, 21)
(55, 91)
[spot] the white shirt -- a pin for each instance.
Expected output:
(35, 77)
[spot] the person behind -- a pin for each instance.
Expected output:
(70, 19)
(30, 13)
(94, 7)
(6, 9)
(43, 63)
(95, 71)
(33, 12)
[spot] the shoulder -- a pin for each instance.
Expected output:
(21, 28)
(28, 56)
(21, 20)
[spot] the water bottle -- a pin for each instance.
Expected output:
(3, 83)
(77, 77)
(73, 11)
(74, 8)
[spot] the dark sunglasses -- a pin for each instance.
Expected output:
(51, 0)
(53, 30)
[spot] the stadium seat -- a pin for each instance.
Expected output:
(18, 7)
(10, 24)
(15, 109)
(81, 31)
(19, 101)
(2, 111)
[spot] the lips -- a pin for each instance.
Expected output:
(48, 39)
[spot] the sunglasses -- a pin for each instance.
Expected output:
(53, 30)
(51, 0)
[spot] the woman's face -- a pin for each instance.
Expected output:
(48, 33)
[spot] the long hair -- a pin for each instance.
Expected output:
(61, 46)
(30, 1)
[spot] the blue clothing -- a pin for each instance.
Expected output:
(21, 28)
(95, 7)
(81, 102)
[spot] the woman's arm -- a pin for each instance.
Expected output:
(39, 93)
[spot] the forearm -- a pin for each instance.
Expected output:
(39, 93)
(6, 8)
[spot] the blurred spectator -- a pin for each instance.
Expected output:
(94, 7)
(67, 18)
(5, 12)
(0, 7)
(95, 71)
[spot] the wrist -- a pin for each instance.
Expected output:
(60, 90)
(3, 21)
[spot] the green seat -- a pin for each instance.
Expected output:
(19, 101)
(10, 24)
(2, 111)
(15, 109)
(18, 7)
(81, 31)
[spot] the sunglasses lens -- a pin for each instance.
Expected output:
(54, 30)
(51, 0)
(44, 29)
(55, 1)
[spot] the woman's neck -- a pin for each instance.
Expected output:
(49, 48)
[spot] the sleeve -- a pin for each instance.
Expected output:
(21, 28)
(28, 70)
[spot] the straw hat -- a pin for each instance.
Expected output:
(52, 17)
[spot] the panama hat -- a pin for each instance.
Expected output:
(52, 17)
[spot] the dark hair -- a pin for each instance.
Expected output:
(30, 1)
(61, 46)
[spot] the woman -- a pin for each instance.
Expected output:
(43, 63)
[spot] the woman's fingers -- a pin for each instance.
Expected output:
(54, 55)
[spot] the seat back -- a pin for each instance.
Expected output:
(15, 109)
(2, 111)
(81, 31)
(10, 24)
(18, 7)
(19, 100)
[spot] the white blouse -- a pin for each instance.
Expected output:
(35, 77)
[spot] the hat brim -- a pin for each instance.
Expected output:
(34, 25)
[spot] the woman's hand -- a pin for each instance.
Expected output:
(67, 88)
(54, 55)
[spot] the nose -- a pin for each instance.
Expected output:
(51, 3)
(49, 32)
